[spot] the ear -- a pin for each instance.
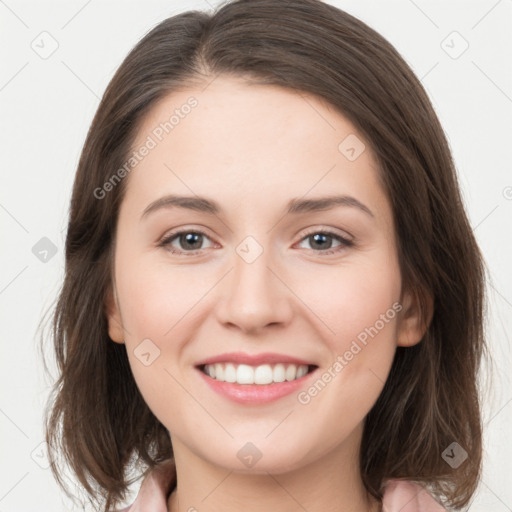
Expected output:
(115, 323)
(411, 329)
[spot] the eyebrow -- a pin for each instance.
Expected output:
(294, 206)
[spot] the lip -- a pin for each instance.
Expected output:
(254, 359)
(255, 394)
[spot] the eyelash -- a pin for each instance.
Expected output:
(166, 241)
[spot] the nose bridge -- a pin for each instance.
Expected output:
(254, 296)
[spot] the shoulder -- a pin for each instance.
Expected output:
(408, 496)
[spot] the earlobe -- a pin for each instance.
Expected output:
(412, 324)
(115, 324)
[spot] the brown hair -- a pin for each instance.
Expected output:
(99, 420)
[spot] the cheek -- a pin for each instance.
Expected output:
(158, 307)
(360, 307)
(349, 299)
(366, 312)
(155, 297)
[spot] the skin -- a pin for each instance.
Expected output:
(253, 148)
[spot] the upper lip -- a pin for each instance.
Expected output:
(254, 359)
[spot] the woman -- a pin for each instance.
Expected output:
(317, 346)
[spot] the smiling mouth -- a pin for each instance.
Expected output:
(256, 375)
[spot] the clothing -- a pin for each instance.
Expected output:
(399, 495)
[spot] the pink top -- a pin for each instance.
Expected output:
(399, 495)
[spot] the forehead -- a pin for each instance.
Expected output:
(250, 143)
(229, 109)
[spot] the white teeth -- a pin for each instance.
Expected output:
(244, 374)
(291, 372)
(263, 374)
(219, 371)
(302, 370)
(230, 373)
(279, 374)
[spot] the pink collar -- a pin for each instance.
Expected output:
(399, 495)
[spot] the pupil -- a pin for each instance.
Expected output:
(189, 239)
(316, 238)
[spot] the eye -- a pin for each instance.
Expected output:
(189, 240)
(322, 240)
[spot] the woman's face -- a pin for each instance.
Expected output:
(268, 272)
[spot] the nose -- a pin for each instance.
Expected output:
(254, 295)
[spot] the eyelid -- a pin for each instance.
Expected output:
(169, 236)
(345, 241)
(328, 231)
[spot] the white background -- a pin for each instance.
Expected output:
(46, 106)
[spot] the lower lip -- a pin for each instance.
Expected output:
(255, 393)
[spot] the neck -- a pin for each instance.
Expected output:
(332, 483)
